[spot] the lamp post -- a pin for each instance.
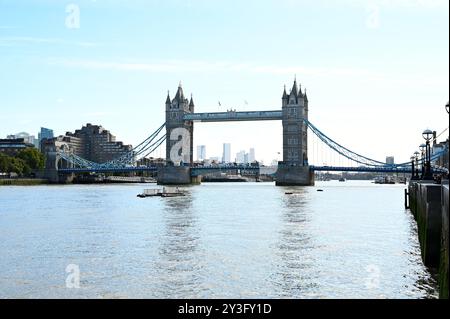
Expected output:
(413, 167)
(414, 171)
(427, 136)
(416, 159)
(423, 149)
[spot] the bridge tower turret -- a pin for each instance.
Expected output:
(294, 170)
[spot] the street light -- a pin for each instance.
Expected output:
(413, 167)
(427, 136)
(416, 160)
(423, 149)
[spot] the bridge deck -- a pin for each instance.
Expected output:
(234, 116)
(205, 169)
(362, 169)
(107, 170)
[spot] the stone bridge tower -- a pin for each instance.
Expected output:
(179, 142)
(294, 170)
(177, 129)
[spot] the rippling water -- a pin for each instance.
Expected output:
(354, 240)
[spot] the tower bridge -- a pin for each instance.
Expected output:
(181, 116)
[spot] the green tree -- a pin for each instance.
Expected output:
(18, 166)
(32, 158)
(4, 163)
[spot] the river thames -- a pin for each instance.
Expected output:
(249, 240)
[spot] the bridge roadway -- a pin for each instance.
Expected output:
(196, 171)
(361, 169)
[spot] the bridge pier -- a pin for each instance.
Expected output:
(55, 177)
(176, 175)
(294, 176)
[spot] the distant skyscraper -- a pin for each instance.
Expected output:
(390, 160)
(45, 133)
(240, 157)
(201, 153)
(251, 156)
(226, 157)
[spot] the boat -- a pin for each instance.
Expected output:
(223, 178)
(384, 180)
(165, 192)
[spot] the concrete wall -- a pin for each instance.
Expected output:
(294, 176)
(443, 268)
(429, 219)
(429, 205)
(425, 203)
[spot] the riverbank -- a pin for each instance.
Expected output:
(23, 182)
(78, 180)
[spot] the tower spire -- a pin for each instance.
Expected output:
(285, 96)
(168, 97)
(295, 89)
(180, 95)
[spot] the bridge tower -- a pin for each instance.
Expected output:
(176, 126)
(179, 141)
(294, 170)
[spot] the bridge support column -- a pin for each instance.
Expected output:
(175, 175)
(294, 170)
(55, 177)
(294, 176)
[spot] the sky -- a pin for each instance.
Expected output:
(376, 72)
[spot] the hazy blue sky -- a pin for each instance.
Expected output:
(377, 72)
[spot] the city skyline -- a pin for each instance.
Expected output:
(360, 61)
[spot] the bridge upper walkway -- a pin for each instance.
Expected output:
(232, 116)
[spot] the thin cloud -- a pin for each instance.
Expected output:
(422, 4)
(36, 40)
(203, 66)
(177, 66)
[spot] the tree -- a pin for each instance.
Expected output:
(32, 158)
(4, 163)
(18, 166)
